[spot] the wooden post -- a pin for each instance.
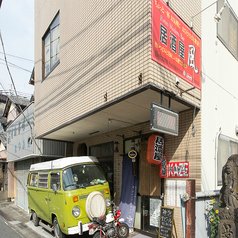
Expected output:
(190, 209)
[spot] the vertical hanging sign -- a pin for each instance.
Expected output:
(163, 167)
(155, 149)
(174, 45)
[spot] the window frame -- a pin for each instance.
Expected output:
(225, 150)
(33, 180)
(58, 184)
(43, 184)
(49, 33)
(221, 36)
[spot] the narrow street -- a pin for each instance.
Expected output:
(7, 230)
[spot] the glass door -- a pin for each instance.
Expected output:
(150, 214)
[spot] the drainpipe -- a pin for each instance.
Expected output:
(215, 156)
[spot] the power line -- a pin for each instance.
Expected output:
(17, 57)
(16, 66)
(33, 137)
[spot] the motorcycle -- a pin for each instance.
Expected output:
(110, 225)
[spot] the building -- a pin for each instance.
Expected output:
(23, 150)
(3, 152)
(101, 68)
(219, 94)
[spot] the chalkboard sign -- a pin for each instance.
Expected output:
(166, 222)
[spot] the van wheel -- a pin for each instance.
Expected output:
(57, 231)
(35, 219)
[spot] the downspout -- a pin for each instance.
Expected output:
(215, 156)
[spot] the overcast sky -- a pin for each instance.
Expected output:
(17, 30)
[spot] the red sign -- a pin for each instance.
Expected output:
(155, 149)
(178, 170)
(174, 45)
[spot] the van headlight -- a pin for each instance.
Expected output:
(108, 202)
(76, 211)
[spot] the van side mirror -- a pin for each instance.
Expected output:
(54, 187)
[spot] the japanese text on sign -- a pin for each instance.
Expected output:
(166, 222)
(174, 45)
(178, 170)
(155, 149)
(158, 148)
(163, 167)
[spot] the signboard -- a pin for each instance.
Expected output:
(166, 222)
(178, 170)
(163, 167)
(132, 154)
(155, 149)
(174, 45)
(164, 120)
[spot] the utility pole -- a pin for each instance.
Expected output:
(190, 209)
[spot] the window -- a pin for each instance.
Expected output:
(228, 28)
(226, 148)
(82, 176)
(51, 42)
(55, 179)
(105, 154)
(43, 180)
(33, 180)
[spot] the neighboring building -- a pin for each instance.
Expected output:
(12, 108)
(100, 66)
(219, 91)
(3, 143)
(23, 150)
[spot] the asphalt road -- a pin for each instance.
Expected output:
(7, 231)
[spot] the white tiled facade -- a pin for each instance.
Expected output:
(104, 46)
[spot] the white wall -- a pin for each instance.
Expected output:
(219, 92)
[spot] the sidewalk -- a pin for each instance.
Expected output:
(19, 219)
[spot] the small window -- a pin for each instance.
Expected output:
(228, 28)
(51, 42)
(226, 148)
(33, 180)
(43, 180)
(55, 179)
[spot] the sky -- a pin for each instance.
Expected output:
(17, 30)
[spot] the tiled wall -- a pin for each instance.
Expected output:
(104, 46)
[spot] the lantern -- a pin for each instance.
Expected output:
(155, 149)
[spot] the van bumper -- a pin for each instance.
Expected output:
(80, 229)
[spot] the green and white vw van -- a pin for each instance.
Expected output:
(65, 194)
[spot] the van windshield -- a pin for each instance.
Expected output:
(82, 176)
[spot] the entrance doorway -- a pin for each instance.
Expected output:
(150, 215)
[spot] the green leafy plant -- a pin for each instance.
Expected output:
(213, 215)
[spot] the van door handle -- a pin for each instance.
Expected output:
(46, 199)
(49, 199)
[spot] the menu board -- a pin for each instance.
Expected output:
(166, 222)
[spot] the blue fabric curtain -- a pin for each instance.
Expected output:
(129, 191)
